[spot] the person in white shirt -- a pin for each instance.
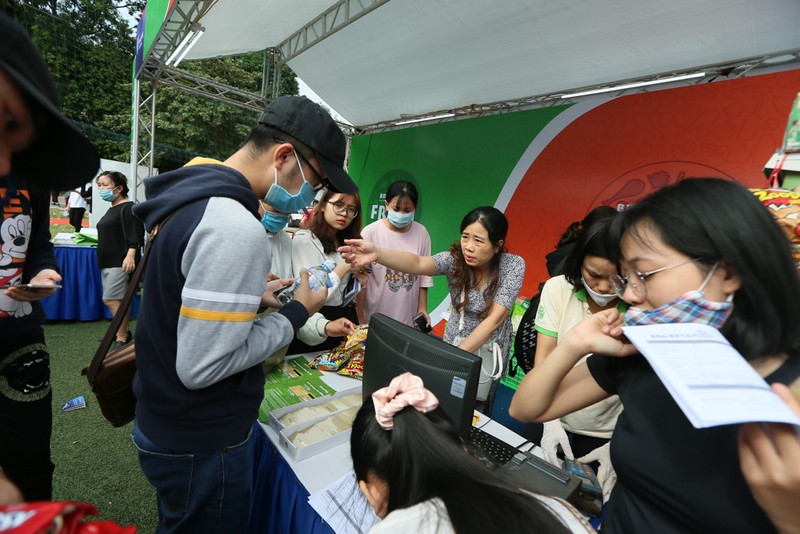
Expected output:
(76, 206)
(415, 473)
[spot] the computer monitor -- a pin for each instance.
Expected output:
(392, 348)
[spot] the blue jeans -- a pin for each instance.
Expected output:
(198, 492)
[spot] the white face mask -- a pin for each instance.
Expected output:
(599, 298)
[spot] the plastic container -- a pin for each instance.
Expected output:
(317, 279)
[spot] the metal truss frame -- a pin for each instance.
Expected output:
(738, 69)
(184, 17)
(330, 21)
(187, 13)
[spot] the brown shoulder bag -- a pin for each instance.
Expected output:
(110, 374)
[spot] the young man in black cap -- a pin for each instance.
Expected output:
(199, 347)
(39, 150)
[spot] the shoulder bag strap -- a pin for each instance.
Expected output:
(133, 283)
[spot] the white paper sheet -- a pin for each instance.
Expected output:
(710, 381)
(344, 507)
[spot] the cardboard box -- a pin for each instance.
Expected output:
(300, 453)
(275, 415)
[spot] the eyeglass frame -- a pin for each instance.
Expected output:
(623, 282)
(323, 181)
(343, 210)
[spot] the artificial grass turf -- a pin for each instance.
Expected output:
(95, 462)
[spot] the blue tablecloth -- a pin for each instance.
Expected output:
(81, 297)
(279, 502)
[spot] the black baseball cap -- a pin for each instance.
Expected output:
(307, 122)
(60, 156)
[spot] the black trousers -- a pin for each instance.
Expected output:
(26, 415)
(76, 217)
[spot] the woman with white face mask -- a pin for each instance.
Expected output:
(680, 262)
(120, 238)
(566, 300)
(397, 294)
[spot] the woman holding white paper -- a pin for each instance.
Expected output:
(730, 269)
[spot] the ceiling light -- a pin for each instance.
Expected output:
(425, 119)
(196, 37)
(635, 84)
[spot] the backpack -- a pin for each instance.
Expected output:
(525, 340)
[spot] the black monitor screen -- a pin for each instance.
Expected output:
(392, 348)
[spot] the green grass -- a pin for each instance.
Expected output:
(95, 462)
(57, 213)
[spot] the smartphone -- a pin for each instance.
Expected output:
(41, 286)
(421, 323)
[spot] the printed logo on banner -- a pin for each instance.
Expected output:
(637, 183)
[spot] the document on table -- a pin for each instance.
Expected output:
(710, 381)
(344, 507)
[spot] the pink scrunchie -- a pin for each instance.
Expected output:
(404, 390)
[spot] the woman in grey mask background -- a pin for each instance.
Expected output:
(582, 290)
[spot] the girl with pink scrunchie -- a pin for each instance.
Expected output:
(414, 471)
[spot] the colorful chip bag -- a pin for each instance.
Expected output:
(355, 366)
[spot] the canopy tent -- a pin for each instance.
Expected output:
(380, 62)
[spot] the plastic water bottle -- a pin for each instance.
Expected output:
(317, 279)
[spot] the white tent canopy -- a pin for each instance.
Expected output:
(412, 57)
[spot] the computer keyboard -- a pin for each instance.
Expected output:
(493, 451)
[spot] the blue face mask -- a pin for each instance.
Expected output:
(281, 200)
(399, 220)
(107, 194)
(273, 222)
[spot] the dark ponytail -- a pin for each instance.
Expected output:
(422, 458)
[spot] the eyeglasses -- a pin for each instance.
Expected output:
(322, 181)
(341, 209)
(636, 280)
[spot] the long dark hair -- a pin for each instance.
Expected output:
(324, 232)
(576, 228)
(422, 458)
(721, 221)
(496, 225)
(593, 241)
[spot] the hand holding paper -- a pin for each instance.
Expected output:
(709, 380)
(769, 455)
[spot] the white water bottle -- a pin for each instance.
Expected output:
(317, 279)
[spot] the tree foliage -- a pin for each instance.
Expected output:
(89, 47)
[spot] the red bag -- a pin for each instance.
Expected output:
(50, 517)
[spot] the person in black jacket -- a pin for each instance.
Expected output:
(33, 135)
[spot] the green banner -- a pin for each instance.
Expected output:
(456, 166)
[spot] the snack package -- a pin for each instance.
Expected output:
(354, 366)
(331, 360)
(326, 428)
(308, 413)
(50, 517)
(785, 207)
(334, 359)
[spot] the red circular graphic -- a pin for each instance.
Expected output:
(639, 182)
